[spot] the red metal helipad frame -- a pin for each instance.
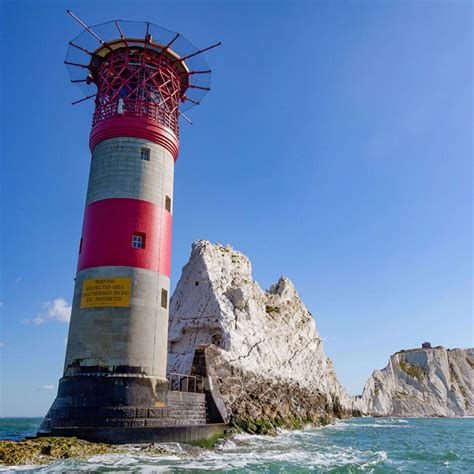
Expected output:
(142, 83)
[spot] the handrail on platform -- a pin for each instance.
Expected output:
(185, 383)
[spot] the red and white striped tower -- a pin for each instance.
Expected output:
(117, 347)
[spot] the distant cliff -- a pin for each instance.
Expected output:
(266, 353)
(422, 383)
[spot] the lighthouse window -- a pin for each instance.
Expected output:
(168, 203)
(138, 241)
(145, 154)
(164, 298)
(80, 246)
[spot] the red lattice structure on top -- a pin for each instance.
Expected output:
(144, 79)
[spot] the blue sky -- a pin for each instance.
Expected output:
(335, 148)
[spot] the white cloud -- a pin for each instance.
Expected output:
(60, 310)
(36, 321)
(45, 388)
(2, 344)
(56, 310)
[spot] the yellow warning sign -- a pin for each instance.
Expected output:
(99, 292)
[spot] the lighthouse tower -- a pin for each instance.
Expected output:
(142, 78)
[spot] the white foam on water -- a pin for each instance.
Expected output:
(225, 445)
(18, 468)
(391, 420)
(376, 425)
(305, 449)
(330, 457)
(338, 425)
(286, 450)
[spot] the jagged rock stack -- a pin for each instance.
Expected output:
(264, 351)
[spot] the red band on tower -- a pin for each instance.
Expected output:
(136, 127)
(109, 227)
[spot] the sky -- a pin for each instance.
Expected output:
(334, 148)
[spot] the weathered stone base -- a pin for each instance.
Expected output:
(85, 391)
(125, 409)
(95, 399)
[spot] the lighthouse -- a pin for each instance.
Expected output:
(142, 78)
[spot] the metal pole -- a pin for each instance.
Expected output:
(81, 48)
(76, 64)
(70, 13)
(119, 29)
(199, 87)
(82, 100)
(186, 118)
(198, 52)
(98, 38)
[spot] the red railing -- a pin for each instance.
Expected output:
(157, 113)
(138, 82)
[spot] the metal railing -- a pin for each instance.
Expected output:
(185, 383)
(137, 108)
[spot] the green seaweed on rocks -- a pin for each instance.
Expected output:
(46, 450)
(210, 443)
(269, 426)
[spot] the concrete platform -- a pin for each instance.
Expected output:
(136, 435)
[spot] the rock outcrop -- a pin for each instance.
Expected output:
(423, 383)
(264, 351)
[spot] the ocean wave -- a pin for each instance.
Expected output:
(392, 420)
(376, 425)
(242, 453)
(357, 445)
(332, 457)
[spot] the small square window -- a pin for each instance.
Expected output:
(145, 154)
(168, 203)
(164, 298)
(138, 241)
(80, 246)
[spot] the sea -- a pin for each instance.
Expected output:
(372, 445)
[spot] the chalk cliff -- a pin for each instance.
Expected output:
(422, 383)
(265, 352)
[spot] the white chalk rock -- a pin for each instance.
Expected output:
(260, 334)
(422, 383)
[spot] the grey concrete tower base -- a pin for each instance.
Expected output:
(103, 400)
(104, 419)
